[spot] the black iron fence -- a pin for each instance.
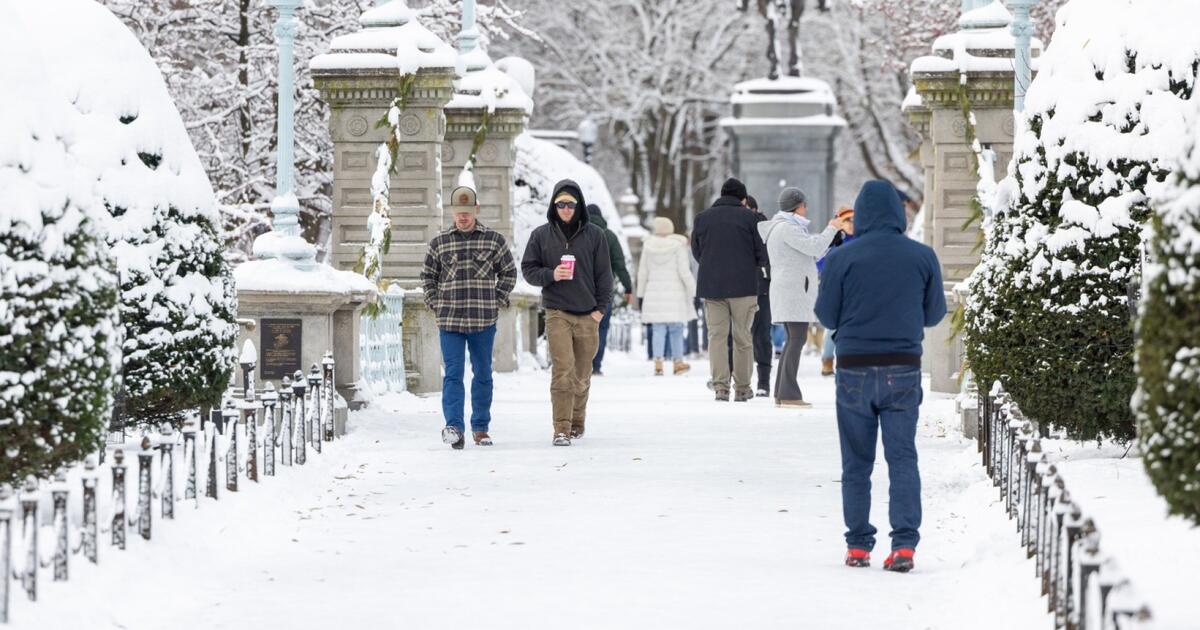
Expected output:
(229, 444)
(1083, 587)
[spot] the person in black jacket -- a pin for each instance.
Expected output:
(760, 329)
(725, 241)
(575, 301)
(616, 256)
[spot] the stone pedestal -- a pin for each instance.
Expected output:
(493, 163)
(783, 133)
(968, 74)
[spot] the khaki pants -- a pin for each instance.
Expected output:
(573, 341)
(736, 316)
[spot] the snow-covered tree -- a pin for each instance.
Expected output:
(1167, 401)
(59, 333)
(177, 302)
(1049, 312)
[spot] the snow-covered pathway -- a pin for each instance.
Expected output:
(674, 512)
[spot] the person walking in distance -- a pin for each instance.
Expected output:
(568, 258)
(666, 286)
(467, 277)
(616, 257)
(726, 243)
(879, 293)
(846, 235)
(793, 252)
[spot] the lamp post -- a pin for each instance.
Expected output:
(588, 132)
(468, 38)
(1022, 30)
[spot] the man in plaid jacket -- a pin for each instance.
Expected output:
(468, 275)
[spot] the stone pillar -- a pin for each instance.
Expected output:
(359, 95)
(970, 69)
(783, 133)
(483, 85)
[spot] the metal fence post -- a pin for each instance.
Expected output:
(250, 412)
(330, 393)
(269, 398)
(210, 439)
(315, 407)
(229, 412)
(145, 461)
(62, 549)
(167, 464)
(299, 386)
(118, 493)
(91, 521)
(286, 429)
(189, 458)
(6, 516)
(29, 529)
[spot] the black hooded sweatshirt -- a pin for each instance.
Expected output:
(591, 289)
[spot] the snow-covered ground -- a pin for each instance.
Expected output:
(673, 512)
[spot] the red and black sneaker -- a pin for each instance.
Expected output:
(858, 558)
(901, 561)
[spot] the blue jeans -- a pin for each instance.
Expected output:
(454, 350)
(778, 337)
(869, 399)
(828, 346)
(599, 358)
(663, 333)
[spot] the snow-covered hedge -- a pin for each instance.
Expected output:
(58, 288)
(177, 295)
(1168, 350)
(1049, 312)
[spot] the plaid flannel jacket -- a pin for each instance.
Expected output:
(467, 278)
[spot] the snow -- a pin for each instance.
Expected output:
(673, 512)
(249, 353)
(484, 86)
(821, 120)
(912, 99)
(992, 15)
(391, 38)
(280, 276)
(985, 32)
(785, 87)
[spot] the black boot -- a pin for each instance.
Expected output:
(764, 381)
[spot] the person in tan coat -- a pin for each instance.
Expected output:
(666, 286)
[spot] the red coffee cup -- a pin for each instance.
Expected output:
(568, 261)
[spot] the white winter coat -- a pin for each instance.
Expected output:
(793, 252)
(665, 280)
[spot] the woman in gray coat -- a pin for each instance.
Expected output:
(793, 252)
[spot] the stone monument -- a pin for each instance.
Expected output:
(783, 133)
(963, 94)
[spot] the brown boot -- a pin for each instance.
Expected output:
(681, 367)
(658, 367)
(482, 438)
(826, 367)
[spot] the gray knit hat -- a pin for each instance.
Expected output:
(791, 198)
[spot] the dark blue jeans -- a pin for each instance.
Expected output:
(869, 399)
(599, 358)
(454, 350)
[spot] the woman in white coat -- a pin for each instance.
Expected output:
(793, 252)
(666, 285)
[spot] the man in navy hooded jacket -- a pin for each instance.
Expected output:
(879, 293)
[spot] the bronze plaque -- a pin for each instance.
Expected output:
(280, 343)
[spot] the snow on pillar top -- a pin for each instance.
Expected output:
(793, 101)
(984, 44)
(392, 38)
(484, 86)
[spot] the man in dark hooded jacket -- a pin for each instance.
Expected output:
(879, 293)
(725, 241)
(575, 301)
(616, 257)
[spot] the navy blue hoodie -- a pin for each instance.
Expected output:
(882, 290)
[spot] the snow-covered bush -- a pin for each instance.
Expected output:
(58, 291)
(1049, 313)
(177, 295)
(1167, 401)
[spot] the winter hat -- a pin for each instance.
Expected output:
(845, 212)
(463, 199)
(791, 198)
(733, 187)
(663, 226)
(565, 196)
